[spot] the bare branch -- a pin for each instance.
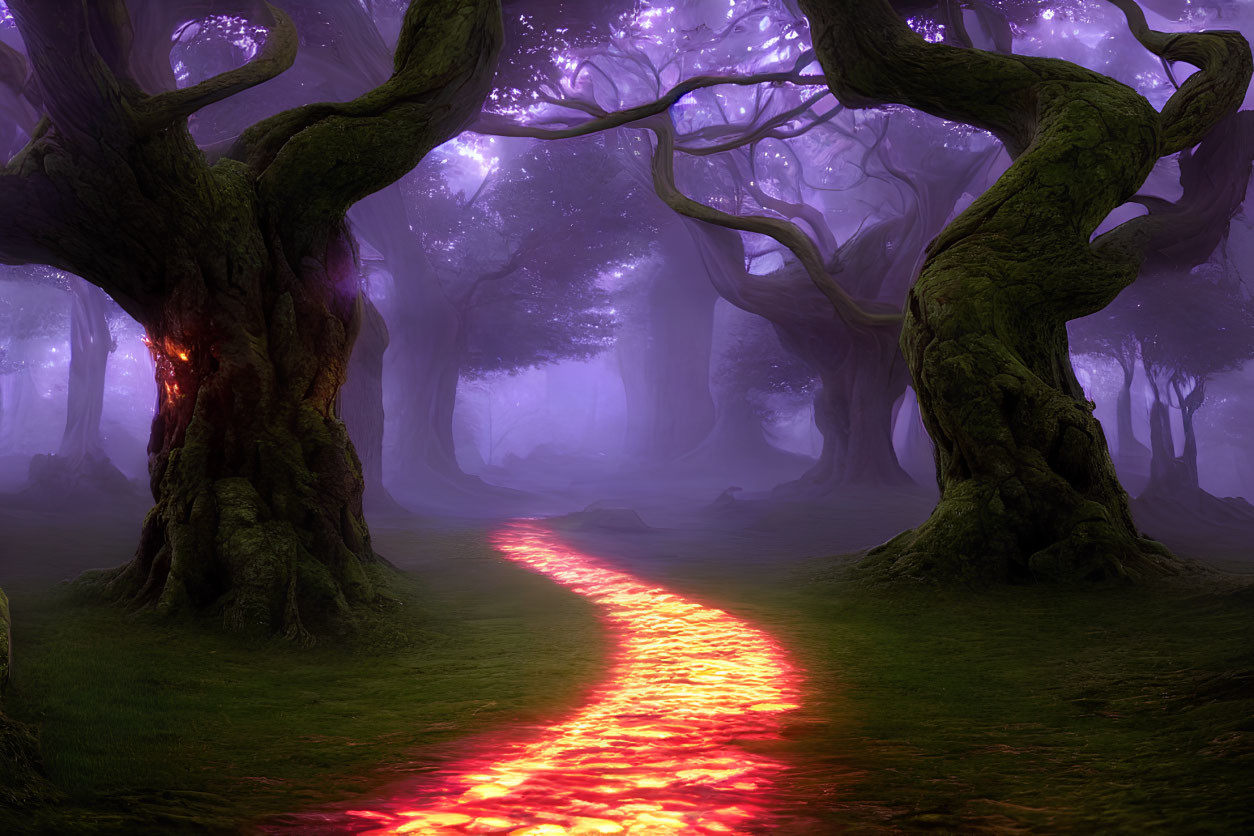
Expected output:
(497, 126)
(766, 129)
(850, 310)
(278, 54)
(812, 216)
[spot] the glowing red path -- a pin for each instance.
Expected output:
(657, 750)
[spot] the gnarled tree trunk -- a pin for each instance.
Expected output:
(244, 276)
(1027, 484)
(258, 490)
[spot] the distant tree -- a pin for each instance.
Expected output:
(1189, 328)
(664, 347)
(1105, 335)
(520, 264)
(739, 106)
(1188, 317)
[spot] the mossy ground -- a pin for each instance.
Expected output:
(151, 726)
(1020, 709)
(1023, 709)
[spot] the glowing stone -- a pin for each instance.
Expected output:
(658, 747)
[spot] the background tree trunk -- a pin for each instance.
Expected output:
(81, 466)
(90, 346)
(1132, 458)
(361, 406)
(666, 368)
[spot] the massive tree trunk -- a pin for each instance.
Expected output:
(258, 490)
(244, 276)
(1027, 484)
(666, 366)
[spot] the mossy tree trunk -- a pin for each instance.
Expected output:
(244, 276)
(1027, 484)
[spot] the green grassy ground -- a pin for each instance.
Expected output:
(1016, 710)
(149, 727)
(1029, 710)
(1025, 709)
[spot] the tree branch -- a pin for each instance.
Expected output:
(1054, 117)
(1206, 97)
(850, 310)
(78, 90)
(24, 229)
(278, 54)
(16, 100)
(493, 125)
(1182, 234)
(318, 160)
(765, 130)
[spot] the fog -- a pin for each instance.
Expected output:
(541, 332)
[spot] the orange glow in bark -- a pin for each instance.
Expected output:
(164, 354)
(659, 749)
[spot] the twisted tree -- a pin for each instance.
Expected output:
(1027, 484)
(243, 274)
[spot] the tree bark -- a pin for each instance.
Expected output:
(1028, 488)
(258, 490)
(244, 276)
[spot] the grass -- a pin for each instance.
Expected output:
(148, 726)
(1023, 709)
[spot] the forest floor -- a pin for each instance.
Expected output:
(1023, 709)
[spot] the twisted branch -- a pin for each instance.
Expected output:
(853, 312)
(279, 53)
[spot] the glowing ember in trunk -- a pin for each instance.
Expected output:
(660, 747)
